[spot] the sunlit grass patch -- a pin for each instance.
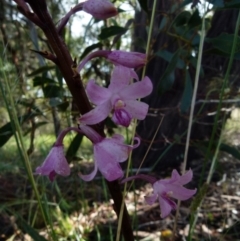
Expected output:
(10, 159)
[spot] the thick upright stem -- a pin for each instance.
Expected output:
(74, 83)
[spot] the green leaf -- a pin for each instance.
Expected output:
(166, 55)
(144, 5)
(63, 107)
(231, 150)
(221, 53)
(40, 81)
(57, 102)
(111, 31)
(223, 147)
(195, 20)
(6, 131)
(38, 124)
(163, 23)
(231, 4)
(59, 76)
(140, 43)
(28, 103)
(43, 69)
(217, 3)
(224, 42)
(166, 83)
(182, 18)
(187, 94)
(54, 102)
(74, 146)
(89, 49)
(184, 3)
(168, 76)
(31, 231)
(51, 91)
(193, 61)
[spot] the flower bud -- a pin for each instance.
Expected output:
(100, 9)
(127, 59)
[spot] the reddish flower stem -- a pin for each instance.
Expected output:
(74, 83)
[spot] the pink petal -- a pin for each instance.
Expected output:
(137, 144)
(179, 192)
(89, 177)
(115, 150)
(186, 177)
(178, 179)
(55, 161)
(137, 90)
(150, 200)
(120, 78)
(118, 138)
(107, 163)
(96, 115)
(136, 109)
(166, 206)
(61, 166)
(134, 75)
(91, 133)
(52, 175)
(111, 171)
(97, 94)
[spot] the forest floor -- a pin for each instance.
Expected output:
(83, 211)
(92, 215)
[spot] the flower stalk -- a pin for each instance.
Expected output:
(41, 17)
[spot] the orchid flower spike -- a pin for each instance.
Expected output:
(56, 163)
(117, 57)
(119, 97)
(107, 153)
(100, 9)
(166, 189)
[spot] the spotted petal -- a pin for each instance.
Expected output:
(55, 163)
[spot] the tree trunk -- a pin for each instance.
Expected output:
(168, 147)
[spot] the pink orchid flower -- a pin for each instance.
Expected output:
(108, 153)
(119, 97)
(55, 163)
(166, 189)
(100, 9)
